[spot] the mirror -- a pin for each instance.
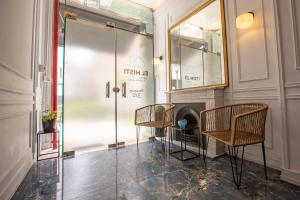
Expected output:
(197, 49)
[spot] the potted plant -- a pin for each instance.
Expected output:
(49, 121)
(159, 112)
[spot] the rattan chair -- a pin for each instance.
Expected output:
(236, 126)
(155, 116)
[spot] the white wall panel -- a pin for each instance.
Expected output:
(16, 93)
(253, 51)
(288, 30)
(258, 68)
(294, 6)
(293, 110)
(289, 22)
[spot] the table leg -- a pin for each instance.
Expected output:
(181, 134)
(37, 145)
(184, 140)
(199, 144)
(169, 140)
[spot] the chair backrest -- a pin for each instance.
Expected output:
(247, 118)
(163, 114)
(243, 108)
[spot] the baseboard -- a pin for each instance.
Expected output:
(290, 176)
(11, 181)
(272, 163)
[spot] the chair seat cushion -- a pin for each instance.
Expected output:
(241, 138)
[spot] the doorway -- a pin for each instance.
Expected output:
(108, 73)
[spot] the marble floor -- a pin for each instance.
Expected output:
(147, 173)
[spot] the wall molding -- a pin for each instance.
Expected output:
(245, 98)
(16, 102)
(12, 70)
(265, 49)
(16, 91)
(295, 33)
(254, 89)
(14, 114)
(292, 84)
(293, 97)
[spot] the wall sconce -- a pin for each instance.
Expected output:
(245, 20)
(157, 60)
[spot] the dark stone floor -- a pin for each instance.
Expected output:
(148, 173)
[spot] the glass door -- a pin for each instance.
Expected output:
(108, 74)
(89, 76)
(135, 79)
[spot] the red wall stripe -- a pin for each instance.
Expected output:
(55, 53)
(54, 64)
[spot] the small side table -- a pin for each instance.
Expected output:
(55, 152)
(184, 138)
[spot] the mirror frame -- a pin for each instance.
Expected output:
(224, 40)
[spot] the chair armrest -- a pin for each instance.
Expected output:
(168, 117)
(252, 122)
(148, 114)
(142, 115)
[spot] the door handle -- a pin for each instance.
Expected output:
(124, 89)
(108, 89)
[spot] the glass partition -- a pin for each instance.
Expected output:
(135, 78)
(108, 74)
(89, 111)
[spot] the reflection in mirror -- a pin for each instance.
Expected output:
(197, 48)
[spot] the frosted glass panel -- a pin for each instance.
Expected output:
(212, 68)
(89, 64)
(191, 67)
(135, 74)
(175, 58)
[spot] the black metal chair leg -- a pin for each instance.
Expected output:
(264, 156)
(150, 140)
(234, 161)
(204, 149)
(169, 139)
(165, 138)
(231, 164)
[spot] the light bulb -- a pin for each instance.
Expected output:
(245, 20)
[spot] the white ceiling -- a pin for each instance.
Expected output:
(154, 4)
